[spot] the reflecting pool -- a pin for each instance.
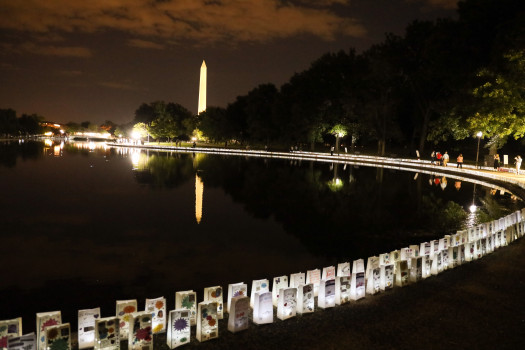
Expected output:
(84, 224)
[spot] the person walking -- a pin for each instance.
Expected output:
(518, 160)
(460, 161)
(433, 157)
(445, 158)
(496, 162)
(438, 158)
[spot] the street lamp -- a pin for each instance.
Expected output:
(477, 154)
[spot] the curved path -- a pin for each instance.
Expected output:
(479, 305)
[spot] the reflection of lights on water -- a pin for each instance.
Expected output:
(91, 146)
(335, 184)
(56, 151)
(48, 142)
(135, 158)
(199, 191)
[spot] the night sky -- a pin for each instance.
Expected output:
(97, 60)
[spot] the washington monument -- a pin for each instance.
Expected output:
(202, 89)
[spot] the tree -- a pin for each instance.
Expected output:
(109, 126)
(213, 124)
(139, 131)
(377, 97)
(145, 114)
(499, 106)
(8, 122)
(338, 131)
(184, 120)
(30, 124)
(260, 102)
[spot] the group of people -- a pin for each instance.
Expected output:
(517, 162)
(443, 159)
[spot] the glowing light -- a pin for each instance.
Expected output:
(48, 142)
(479, 134)
(135, 158)
(135, 135)
(49, 133)
(335, 184)
(473, 208)
(56, 150)
(202, 89)
(62, 131)
(199, 192)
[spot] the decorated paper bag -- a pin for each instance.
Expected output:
(107, 333)
(215, 294)
(305, 299)
(179, 328)
(86, 327)
(239, 316)
(263, 308)
(187, 300)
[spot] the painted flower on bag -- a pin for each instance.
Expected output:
(129, 309)
(3, 342)
(48, 323)
(144, 334)
(60, 344)
(180, 324)
(186, 303)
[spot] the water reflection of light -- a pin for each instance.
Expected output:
(335, 184)
(91, 146)
(48, 142)
(135, 159)
(199, 192)
(56, 151)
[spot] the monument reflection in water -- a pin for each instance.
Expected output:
(86, 224)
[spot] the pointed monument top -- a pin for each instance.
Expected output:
(203, 64)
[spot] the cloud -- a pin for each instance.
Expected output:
(119, 85)
(70, 73)
(200, 21)
(49, 50)
(8, 66)
(444, 4)
(144, 44)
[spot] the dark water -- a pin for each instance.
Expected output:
(83, 226)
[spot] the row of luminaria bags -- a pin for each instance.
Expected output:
(291, 295)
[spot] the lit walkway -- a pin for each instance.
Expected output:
(394, 163)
